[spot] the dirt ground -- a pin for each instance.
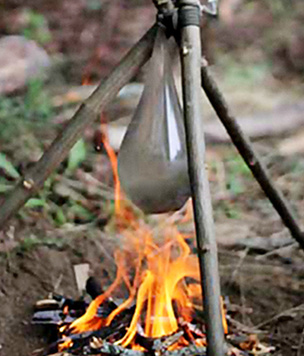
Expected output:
(266, 289)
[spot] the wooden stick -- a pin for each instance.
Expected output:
(190, 45)
(253, 161)
(85, 115)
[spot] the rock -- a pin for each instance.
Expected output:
(20, 61)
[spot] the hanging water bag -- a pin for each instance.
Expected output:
(152, 162)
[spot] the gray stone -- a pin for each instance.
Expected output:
(20, 61)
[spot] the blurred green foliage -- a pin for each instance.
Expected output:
(29, 243)
(8, 167)
(246, 75)
(237, 173)
(232, 181)
(36, 27)
(77, 155)
(94, 5)
(19, 113)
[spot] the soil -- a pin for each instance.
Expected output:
(28, 276)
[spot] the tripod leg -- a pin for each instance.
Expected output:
(207, 250)
(253, 161)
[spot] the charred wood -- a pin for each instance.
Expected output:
(93, 287)
(159, 344)
(106, 348)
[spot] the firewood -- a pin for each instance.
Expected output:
(160, 343)
(110, 349)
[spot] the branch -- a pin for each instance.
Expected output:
(253, 161)
(190, 53)
(85, 115)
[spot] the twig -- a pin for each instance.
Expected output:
(249, 155)
(243, 328)
(239, 264)
(58, 283)
(278, 316)
(245, 318)
(86, 114)
(277, 251)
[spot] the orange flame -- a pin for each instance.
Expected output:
(113, 159)
(155, 275)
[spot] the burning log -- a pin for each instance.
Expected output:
(54, 317)
(93, 288)
(58, 310)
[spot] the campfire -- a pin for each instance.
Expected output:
(153, 306)
(162, 286)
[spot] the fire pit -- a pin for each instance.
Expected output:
(160, 313)
(153, 306)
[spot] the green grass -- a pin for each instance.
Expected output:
(32, 242)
